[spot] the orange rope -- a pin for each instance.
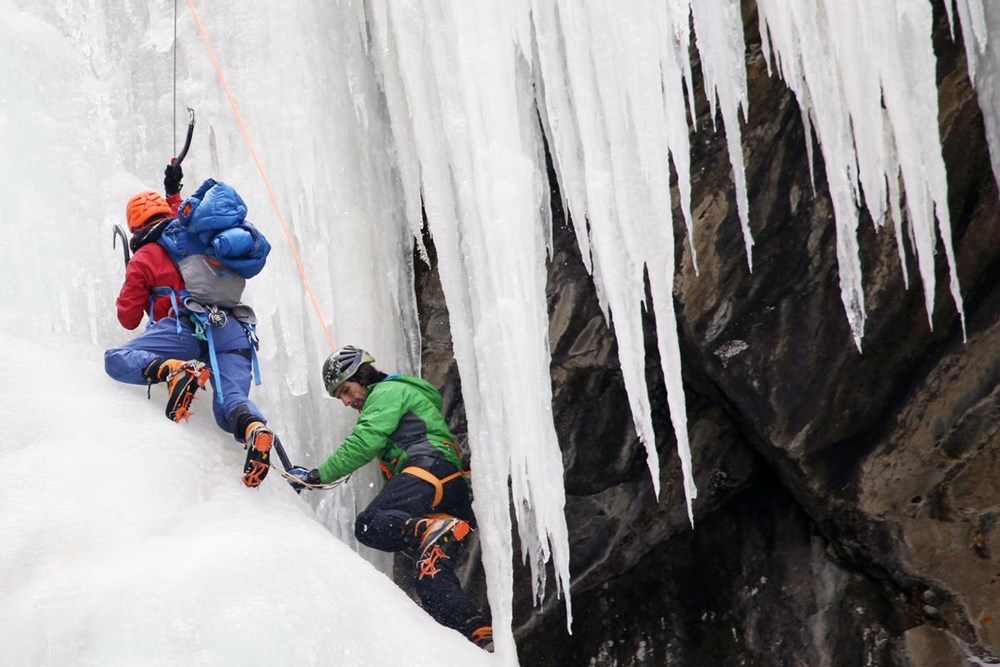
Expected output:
(263, 174)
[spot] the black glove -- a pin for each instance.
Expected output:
(307, 476)
(172, 176)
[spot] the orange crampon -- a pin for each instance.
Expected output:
(184, 379)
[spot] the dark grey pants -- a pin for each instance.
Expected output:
(381, 526)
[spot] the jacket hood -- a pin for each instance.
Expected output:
(425, 387)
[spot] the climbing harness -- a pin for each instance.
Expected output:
(204, 323)
(433, 480)
(203, 320)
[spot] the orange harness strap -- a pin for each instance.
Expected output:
(455, 448)
(428, 477)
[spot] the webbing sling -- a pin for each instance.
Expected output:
(204, 329)
(251, 331)
(431, 479)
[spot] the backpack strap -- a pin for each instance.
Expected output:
(158, 292)
(202, 329)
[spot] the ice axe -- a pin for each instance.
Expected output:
(187, 140)
(114, 239)
(118, 231)
(285, 461)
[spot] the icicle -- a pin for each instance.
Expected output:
(984, 70)
(972, 14)
(465, 94)
(841, 59)
(718, 25)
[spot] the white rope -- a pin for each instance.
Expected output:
(175, 78)
(312, 487)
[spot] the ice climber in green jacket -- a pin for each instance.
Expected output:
(424, 510)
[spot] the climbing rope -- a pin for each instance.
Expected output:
(263, 174)
(174, 111)
(274, 204)
(314, 487)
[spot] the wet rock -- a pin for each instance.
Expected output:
(836, 486)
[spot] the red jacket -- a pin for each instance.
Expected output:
(149, 267)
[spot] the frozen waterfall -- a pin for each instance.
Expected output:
(366, 116)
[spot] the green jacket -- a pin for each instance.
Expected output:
(401, 418)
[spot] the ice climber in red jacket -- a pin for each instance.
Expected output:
(173, 348)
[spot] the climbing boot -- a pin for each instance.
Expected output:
(183, 378)
(439, 538)
(258, 439)
(483, 638)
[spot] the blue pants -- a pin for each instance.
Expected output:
(232, 350)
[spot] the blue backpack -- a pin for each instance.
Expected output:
(214, 246)
(216, 249)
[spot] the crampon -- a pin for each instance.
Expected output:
(440, 539)
(184, 379)
(259, 439)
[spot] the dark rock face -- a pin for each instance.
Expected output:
(848, 501)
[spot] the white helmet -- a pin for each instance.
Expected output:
(342, 364)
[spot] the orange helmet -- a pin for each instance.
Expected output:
(145, 206)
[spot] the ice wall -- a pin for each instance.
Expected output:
(129, 540)
(87, 111)
(316, 136)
